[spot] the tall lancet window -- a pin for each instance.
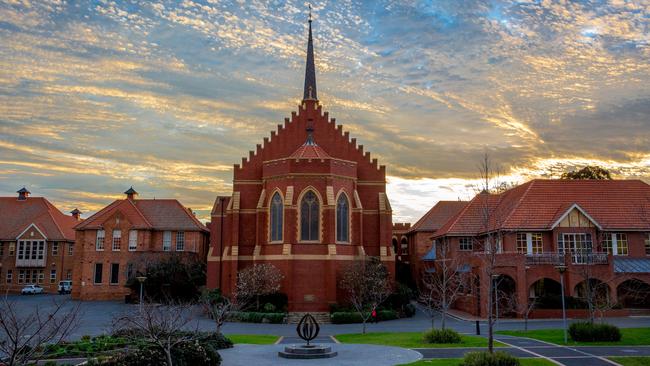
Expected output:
(276, 217)
(342, 219)
(309, 217)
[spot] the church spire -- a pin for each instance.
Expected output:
(310, 69)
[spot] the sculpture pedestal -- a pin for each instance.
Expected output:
(305, 352)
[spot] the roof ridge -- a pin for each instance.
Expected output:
(49, 212)
(92, 217)
(139, 212)
(521, 199)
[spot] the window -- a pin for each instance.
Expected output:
(12, 249)
(21, 250)
(647, 244)
(41, 249)
(309, 217)
(530, 243)
(465, 244)
(180, 241)
(117, 240)
(133, 240)
(21, 276)
(10, 275)
(70, 248)
(55, 248)
(615, 244)
(167, 241)
(68, 275)
(342, 219)
(277, 213)
(99, 267)
(41, 275)
(99, 242)
(2, 249)
(53, 276)
(129, 271)
(115, 273)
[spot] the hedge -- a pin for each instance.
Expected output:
(348, 317)
(589, 332)
(498, 358)
(442, 336)
(257, 317)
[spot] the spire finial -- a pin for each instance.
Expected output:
(310, 69)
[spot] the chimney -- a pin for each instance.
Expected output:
(76, 214)
(23, 193)
(130, 194)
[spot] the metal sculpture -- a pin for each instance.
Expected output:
(308, 328)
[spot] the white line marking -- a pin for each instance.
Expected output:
(279, 340)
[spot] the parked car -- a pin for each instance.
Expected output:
(65, 287)
(31, 290)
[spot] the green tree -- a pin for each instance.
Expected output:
(588, 172)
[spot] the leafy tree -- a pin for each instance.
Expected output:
(176, 277)
(588, 172)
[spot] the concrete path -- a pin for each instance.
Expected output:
(348, 355)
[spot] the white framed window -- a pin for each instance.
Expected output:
(180, 241)
(70, 248)
(615, 244)
(41, 276)
(133, 240)
(167, 241)
(530, 243)
(10, 276)
(21, 276)
(12, 249)
(117, 240)
(55, 248)
(465, 244)
(68, 275)
(53, 276)
(99, 241)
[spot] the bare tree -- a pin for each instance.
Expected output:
(523, 309)
(164, 327)
(368, 285)
(256, 281)
(441, 288)
(217, 306)
(24, 333)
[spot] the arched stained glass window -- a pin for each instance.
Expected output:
(276, 217)
(309, 217)
(342, 219)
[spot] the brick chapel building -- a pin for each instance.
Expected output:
(112, 245)
(36, 242)
(308, 200)
(593, 233)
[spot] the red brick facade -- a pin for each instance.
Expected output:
(34, 223)
(598, 229)
(308, 153)
(148, 230)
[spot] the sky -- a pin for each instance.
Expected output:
(98, 96)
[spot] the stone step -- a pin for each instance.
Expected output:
(321, 318)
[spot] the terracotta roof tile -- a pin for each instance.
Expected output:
(310, 151)
(438, 215)
(16, 216)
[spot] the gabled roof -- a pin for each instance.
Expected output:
(152, 214)
(310, 151)
(438, 215)
(17, 215)
(540, 204)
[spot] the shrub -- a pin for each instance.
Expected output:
(442, 336)
(498, 358)
(589, 332)
(409, 310)
(269, 308)
(176, 277)
(279, 300)
(387, 315)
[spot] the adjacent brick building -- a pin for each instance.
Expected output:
(309, 200)
(36, 242)
(111, 245)
(598, 229)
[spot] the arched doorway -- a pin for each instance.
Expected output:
(634, 293)
(593, 291)
(546, 293)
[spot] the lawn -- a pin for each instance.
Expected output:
(631, 361)
(631, 337)
(409, 340)
(252, 338)
(458, 361)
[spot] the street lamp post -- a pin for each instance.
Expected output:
(141, 279)
(561, 269)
